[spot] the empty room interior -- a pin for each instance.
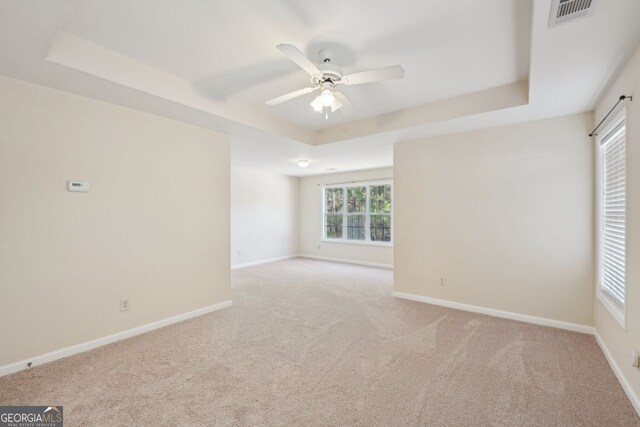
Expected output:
(337, 213)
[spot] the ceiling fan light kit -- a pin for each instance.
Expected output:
(327, 98)
(326, 76)
(316, 104)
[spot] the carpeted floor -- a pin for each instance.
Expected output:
(316, 343)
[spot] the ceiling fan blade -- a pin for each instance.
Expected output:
(379, 74)
(299, 58)
(344, 103)
(287, 97)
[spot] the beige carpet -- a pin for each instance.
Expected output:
(315, 343)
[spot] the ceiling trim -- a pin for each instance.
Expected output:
(79, 54)
(494, 99)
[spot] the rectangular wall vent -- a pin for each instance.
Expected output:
(567, 10)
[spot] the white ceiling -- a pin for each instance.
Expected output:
(218, 59)
(228, 48)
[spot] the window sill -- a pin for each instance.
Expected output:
(362, 243)
(615, 311)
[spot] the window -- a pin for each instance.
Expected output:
(359, 213)
(334, 217)
(380, 212)
(612, 204)
(356, 212)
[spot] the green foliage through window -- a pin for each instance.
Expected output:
(334, 200)
(334, 226)
(380, 228)
(356, 199)
(380, 199)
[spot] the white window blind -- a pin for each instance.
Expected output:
(613, 215)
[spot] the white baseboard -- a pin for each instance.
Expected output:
(90, 345)
(498, 313)
(347, 261)
(263, 261)
(635, 401)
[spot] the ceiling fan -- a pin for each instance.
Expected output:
(326, 77)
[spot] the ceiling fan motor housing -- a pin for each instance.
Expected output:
(329, 72)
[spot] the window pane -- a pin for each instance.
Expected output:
(334, 199)
(356, 199)
(333, 224)
(381, 228)
(380, 199)
(355, 227)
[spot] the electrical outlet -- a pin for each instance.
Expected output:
(443, 281)
(239, 253)
(124, 305)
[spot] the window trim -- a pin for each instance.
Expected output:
(618, 313)
(344, 239)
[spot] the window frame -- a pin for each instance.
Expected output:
(367, 230)
(617, 312)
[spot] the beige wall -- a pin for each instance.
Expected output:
(310, 214)
(154, 228)
(264, 216)
(617, 340)
(504, 214)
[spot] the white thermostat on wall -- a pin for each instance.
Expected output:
(79, 186)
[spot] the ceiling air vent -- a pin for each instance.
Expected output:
(567, 10)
